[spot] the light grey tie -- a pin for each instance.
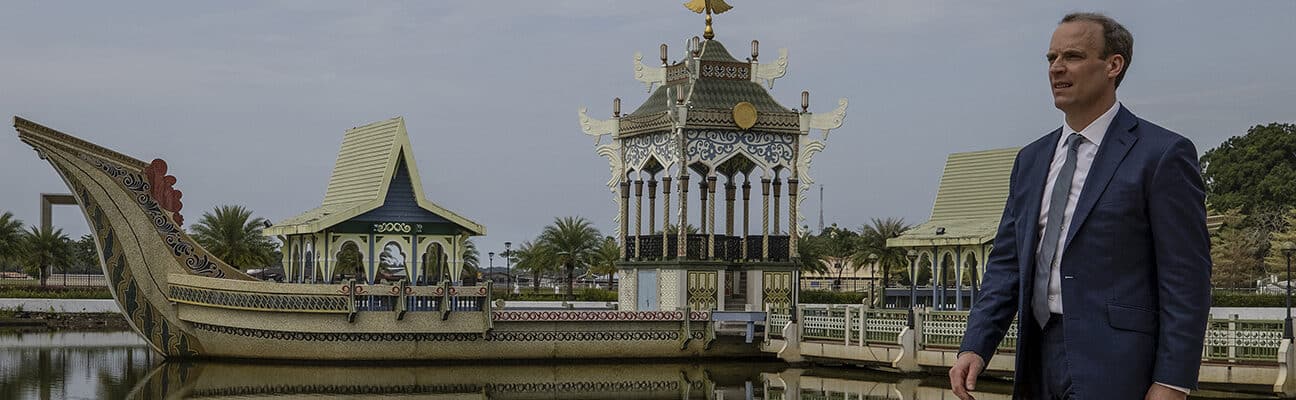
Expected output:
(1052, 230)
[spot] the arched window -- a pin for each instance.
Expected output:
(433, 264)
(970, 270)
(391, 264)
(350, 264)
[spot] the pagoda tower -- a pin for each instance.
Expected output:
(708, 138)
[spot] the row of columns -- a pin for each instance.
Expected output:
(938, 269)
(707, 220)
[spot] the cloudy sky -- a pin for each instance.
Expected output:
(247, 101)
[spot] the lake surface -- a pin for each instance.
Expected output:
(118, 365)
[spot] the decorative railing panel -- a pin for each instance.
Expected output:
(883, 326)
(1241, 340)
(776, 323)
(650, 248)
(820, 322)
(943, 329)
(779, 250)
(727, 248)
(629, 246)
(1227, 341)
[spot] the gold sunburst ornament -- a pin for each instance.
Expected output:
(709, 7)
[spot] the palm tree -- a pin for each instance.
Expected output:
(873, 237)
(471, 261)
(605, 258)
(45, 248)
(470, 256)
(810, 250)
(11, 234)
(573, 241)
(231, 234)
(536, 259)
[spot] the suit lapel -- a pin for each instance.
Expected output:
(1036, 177)
(1116, 144)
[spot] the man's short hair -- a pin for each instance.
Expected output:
(1116, 39)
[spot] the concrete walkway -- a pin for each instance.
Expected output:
(61, 305)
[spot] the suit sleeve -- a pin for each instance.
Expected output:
(1177, 216)
(993, 311)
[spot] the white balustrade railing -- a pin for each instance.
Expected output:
(1227, 340)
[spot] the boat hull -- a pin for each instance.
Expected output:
(186, 303)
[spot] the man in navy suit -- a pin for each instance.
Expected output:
(1102, 251)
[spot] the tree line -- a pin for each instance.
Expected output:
(1251, 189)
(564, 247)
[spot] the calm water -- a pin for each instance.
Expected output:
(99, 365)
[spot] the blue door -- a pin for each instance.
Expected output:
(647, 281)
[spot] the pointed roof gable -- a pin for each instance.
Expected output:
(371, 158)
(969, 203)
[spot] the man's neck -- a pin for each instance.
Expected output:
(1080, 119)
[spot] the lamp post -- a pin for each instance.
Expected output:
(508, 260)
(1288, 248)
(491, 269)
(912, 255)
(872, 258)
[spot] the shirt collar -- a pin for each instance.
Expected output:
(1096, 129)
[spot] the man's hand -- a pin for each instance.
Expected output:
(963, 375)
(1159, 392)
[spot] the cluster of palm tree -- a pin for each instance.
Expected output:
(857, 248)
(232, 234)
(37, 250)
(567, 244)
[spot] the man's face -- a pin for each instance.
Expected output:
(1077, 72)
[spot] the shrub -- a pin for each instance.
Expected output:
(829, 297)
(1248, 300)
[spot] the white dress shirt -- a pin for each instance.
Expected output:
(1092, 137)
(1085, 152)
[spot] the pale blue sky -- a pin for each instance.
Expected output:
(247, 101)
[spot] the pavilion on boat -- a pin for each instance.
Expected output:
(951, 247)
(698, 145)
(375, 223)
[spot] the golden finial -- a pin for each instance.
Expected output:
(709, 7)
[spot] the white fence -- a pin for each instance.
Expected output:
(1230, 340)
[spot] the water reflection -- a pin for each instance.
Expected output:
(119, 366)
(547, 381)
(79, 365)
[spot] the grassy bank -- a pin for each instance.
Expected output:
(53, 292)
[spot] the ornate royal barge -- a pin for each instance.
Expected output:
(710, 117)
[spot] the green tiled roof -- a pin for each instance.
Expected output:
(712, 50)
(713, 93)
(969, 202)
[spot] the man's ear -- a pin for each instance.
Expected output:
(1115, 65)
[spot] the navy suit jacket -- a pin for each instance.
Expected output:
(1135, 266)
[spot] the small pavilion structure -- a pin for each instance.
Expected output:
(953, 244)
(375, 223)
(707, 134)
